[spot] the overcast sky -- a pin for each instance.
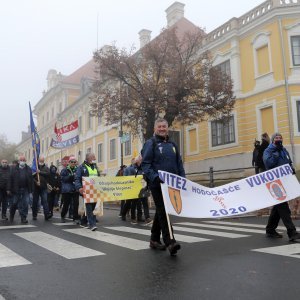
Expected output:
(38, 35)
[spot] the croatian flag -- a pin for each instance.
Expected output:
(65, 136)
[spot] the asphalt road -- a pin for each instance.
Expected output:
(234, 260)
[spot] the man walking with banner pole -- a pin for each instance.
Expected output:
(159, 153)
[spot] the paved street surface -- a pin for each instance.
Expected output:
(219, 259)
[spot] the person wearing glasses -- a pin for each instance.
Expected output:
(68, 191)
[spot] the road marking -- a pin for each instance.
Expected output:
(179, 237)
(210, 232)
(113, 239)
(292, 250)
(9, 258)
(222, 227)
(58, 246)
(242, 224)
(16, 227)
(64, 224)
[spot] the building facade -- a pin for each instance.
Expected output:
(261, 52)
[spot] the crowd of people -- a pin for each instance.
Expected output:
(46, 185)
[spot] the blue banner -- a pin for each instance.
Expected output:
(35, 140)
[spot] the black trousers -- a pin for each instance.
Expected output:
(160, 223)
(281, 211)
(68, 199)
(133, 205)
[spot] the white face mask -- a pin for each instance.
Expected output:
(22, 163)
(94, 161)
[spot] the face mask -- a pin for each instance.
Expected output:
(41, 164)
(278, 143)
(4, 166)
(94, 161)
(22, 164)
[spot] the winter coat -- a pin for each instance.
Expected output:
(275, 157)
(4, 176)
(68, 180)
(13, 184)
(160, 155)
(43, 176)
(82, 171)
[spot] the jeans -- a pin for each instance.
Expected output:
(38, 192)
(20, 200)
(89, 213)
(3, 201)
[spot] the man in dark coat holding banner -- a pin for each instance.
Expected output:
(274, 156)
(159, 153)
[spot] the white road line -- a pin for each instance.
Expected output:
(292, 250)
(9, 258)
(58, 246)
(222, 227)
(16, 227)
(179, 237)
(210, 232)
(242, 224)
(113, 239)
(64, 224)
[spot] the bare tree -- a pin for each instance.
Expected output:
(171, 77)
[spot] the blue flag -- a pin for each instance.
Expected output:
(35, 142)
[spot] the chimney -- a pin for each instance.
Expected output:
(174, 13)
(145, 37)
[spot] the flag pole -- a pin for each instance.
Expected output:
(36, 164)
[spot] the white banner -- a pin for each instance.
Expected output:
(185, 198)
(65, 136)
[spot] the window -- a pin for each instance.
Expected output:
(80, 124)
(225, 67)
(99, 120)
(298, 114)
(52, 112)
(89, 121)
(263, 62)
(47, 116)
(100, 153)
(192, 136)
(127, 146)
(222, 132)
(112, 149)
(88, 150)
(175, 137)
(295, 41)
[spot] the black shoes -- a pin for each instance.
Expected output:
(24, 221)
(173, 248)
(157, 245)
(294, 237)
(274, 235)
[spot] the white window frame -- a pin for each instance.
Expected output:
(294, 100)
(130, 143)
(116, 152)
(188, 129)
(262, 39)
(101, 156)
(236, 135)
(259, 107)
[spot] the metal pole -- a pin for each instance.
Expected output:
(211, 177)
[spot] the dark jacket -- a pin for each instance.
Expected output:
(259, 159)
(130, 170)
(68, 180)
(161, 155)
(82, 171)
(4, 176)
(13, 184)
(54, 179)
(275, 157)
(44, 177)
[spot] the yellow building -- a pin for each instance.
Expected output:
(261, 52)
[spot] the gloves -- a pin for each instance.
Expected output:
(158, 181)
